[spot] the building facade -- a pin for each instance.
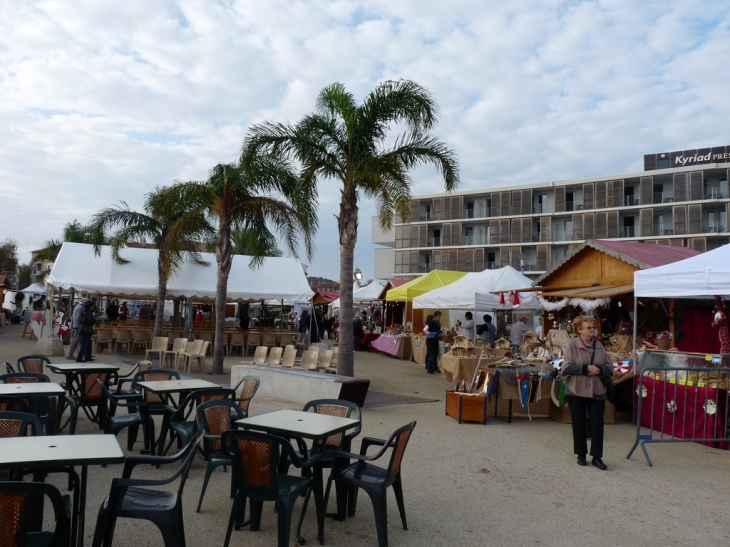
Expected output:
(681, 198)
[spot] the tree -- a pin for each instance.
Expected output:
(246, 241)
(9, 261)
(73, 232)
(159, 225)
(352, 144)
(256, 195)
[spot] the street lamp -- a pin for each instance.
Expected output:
(358, 276)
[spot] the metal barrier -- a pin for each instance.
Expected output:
(682, 403)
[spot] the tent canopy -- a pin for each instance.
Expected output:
(704, 275)
(428, 282)
(34, 288)
(79, 268)
(368, 293)
(473, 291)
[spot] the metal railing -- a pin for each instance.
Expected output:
(628, 231)
(681, 404)
(434, 242)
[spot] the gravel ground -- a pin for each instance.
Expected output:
(469, 484)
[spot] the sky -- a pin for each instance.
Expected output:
(102, 101)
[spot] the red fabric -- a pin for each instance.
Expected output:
(689, 421)
(699, 336)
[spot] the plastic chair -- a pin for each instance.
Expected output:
(9, 368)
(32, 363)
(268, 339)
(23, 378)
(129, 377)
(178, 347)
(192, 348)
(104, 337)
(274, 357)
(20, 503)
(199, 357)
(324, 360)
(309, 359)
(138, 416)
(139, 338)
(14, 404)
(376, 480)
(287, 338)
(207, 336)
(124, 339)
(238, 340)
(86, 394)
(140, 499)
(255, 458)
(248, 386)
(339, 441)
(290, 356)
(180, 421)
(252, 340)
(159, 345)
(259, 357)
(213, 419)
(18, 424)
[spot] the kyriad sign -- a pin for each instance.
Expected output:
(687, 158)
(680, 160)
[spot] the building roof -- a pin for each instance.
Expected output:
(641, 255)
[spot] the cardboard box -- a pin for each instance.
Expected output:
(465, 407)
(562, 414)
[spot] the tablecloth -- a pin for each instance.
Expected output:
(392, 344)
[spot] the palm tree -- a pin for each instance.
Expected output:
(246, 241)
(73, 232)
(353, 144)
(258, 195)
(159, 226)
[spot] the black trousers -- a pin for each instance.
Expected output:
(595, 408)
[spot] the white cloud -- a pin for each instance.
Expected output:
(102, 101)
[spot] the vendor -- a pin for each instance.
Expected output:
(466, 327)
(518, 329)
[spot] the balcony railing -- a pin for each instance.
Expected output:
(628, 231)
(631, 200)
(658, 197)
(424, 268)
(434, 242)
(713, 229)
(426, 216)
(713, 193)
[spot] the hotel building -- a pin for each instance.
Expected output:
(681, 198)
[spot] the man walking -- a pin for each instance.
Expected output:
(76, 326)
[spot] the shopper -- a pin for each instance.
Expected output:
(432, 343)
(585, 361)
(76, 326)
(466, 327)
(487, 330)
(87, 322)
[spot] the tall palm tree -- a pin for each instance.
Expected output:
(159, 225)
(260, 194)
(352, 144)
(73, 232)
(247, 241)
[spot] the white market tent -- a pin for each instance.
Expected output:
(34, 288)
(704, 275)
(79, 268)
(473, 291)
(368, 293)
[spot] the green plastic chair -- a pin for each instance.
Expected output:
(256, 476)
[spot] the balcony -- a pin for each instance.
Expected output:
(628, 231)
(658, 197)
(713, 229)
(491, 266)
(713, 193)
(570, 206)
(426, 216)
(434, 242)
(424, 268)
(469, 213)
(631, 200)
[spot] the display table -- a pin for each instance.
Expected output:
(367, 339)
(459, 368)
(397, 345)
(418, 349)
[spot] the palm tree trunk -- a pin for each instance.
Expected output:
(347, 223)
(161, 296)
(224, 258)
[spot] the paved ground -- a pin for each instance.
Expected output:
(499, 484)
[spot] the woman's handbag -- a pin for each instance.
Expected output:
(607, 380)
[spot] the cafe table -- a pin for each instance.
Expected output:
(69, 369)
(304, 425)
(165, 389)
(37, 390)
(62, 451)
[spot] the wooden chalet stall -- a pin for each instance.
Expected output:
(599, 275)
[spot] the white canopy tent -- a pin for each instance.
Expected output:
(701, 276)
(34, 288)
(368, 293)
(473, 291)
(79, 268)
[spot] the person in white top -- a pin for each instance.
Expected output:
(466, 327)
(518, 329)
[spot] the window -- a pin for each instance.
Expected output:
(662, 163)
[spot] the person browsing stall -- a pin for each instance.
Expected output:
(585, 361)
(466, 327)
(487, 331)
(432, 343)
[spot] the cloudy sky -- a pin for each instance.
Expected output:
(101, 101)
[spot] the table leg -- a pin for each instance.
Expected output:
(77, 526)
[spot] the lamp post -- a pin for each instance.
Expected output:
(358, 276)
